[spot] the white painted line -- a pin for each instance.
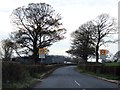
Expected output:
(77, 83)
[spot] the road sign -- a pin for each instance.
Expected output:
(103, 56)
(41, 51)
(45, 49)
(103, 52)
(41, 55)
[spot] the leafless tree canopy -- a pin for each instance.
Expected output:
(6, 49)
(38, 26)
(90, 36)
(83, 43)
(104, 26)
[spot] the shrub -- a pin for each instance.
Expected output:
(13, 72)
(101, 68)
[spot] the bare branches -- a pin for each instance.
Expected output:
(91, 35)
(7, 49)
(38, 25)
(104, 25)
(82, 44)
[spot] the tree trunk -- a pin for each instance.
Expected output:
(85, 58)
(97, 54)
(35, 51)
(97, 46)
(35, 58)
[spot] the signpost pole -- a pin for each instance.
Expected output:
(103, 53)
(41, 54)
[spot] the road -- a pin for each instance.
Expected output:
(67, 77)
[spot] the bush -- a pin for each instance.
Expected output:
(32, 69)
(13, 72)
(101, 68)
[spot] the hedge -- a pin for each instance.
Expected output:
(12, 71)
(100, 68)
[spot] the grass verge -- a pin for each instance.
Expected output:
(107, 76)
(112, 64)
(17, 84)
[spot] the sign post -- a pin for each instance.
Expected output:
(41, 54)
(103, 54)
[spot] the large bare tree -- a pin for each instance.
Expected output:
(37, 26)
(104, 25)
(83, 43)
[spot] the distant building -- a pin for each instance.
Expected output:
(54, 59)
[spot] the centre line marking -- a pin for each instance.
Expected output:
(77, 83)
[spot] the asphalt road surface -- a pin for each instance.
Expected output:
(67, 77)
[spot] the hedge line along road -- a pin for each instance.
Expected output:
(67, 77)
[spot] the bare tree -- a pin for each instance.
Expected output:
(38, 26)
(104, 26)
(6, 50)
(82, 43)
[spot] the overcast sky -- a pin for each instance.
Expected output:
(73, 12)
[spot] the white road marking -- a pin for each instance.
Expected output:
(77, 83)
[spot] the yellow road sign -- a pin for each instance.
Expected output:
(103, 52)
(41, 51)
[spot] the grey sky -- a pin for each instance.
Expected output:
(73, 12)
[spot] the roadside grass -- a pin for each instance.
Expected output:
(19, 84)
(112, 64)
(24, 83)
(107, 76)
(27, 83)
